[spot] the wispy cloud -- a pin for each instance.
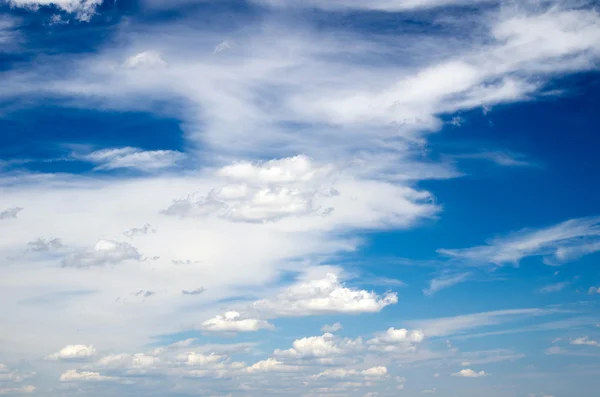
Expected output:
(557, 244)
(557, 287)
(445, 281)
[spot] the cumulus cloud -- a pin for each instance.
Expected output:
(105, 252)
(10, 213)
(304, 298)
(321, 296)
(271, 365)
(74, 375)
(557, 244)
(233, 321)
(260, 192)
(326, 345)
(73, 352)
(84, 9)
(469, 373)
(130, 157)
(395, 336)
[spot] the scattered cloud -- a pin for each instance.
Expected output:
(585, 341)
(43, 245)
(196, 291)
(469, 373)
(233, 321)
(10, 213)
(129, 157)
(105, 252)
(83, 9)
(13, 391)
(73, 352)
(564, 242)
(73, 375)
(332, 328)
(445, 281)
(594, 290)
(557, 287)
(146, 59)
(136, 231)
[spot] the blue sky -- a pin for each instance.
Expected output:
(310, 198)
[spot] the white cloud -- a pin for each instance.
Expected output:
(459, 324)
(73, 352)
(105, 252)
(324, 346)
(560, 243)
(137, 231)
(342, 373)
(73, 375)
(202, 359)
(84, 9)
(505, 159)
(146, 59)
(377, 5)
(594, 290)
(270, 365)
(17, 390)
(43, 245)
(321, 296)
(332, 328)
(469, 373)
(556, 287)
(398, 336)
(233, 321)
(10, 213)
(445, 281)
(585, 341)
(129, 157)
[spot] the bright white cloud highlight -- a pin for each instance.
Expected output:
(73, 375)
(129, 157)
(74, 352)
(469, 373)
(233, 321)
(105, 252)
(84, 9)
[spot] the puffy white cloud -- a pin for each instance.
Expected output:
(193, 358)
(469, 373)
(585, 341)
(105, 252)
(73, 352)
(332, 328)
(594, 290)
(130, 157)
(233, 321)
(270, 365)
(321, 296)
(398, 336)
(326, 345)
(557, 244)
(342, 373)
(141, 360)
(304, 298)
(84, 9)
(10, 213)
(74, 375)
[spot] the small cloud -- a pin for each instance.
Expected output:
(145, 59)
(469, 373)
(73, 375)
(557, 287)
(105, 252)
(446, 281)
(197, 291)
(146, 229)
(594, 290)
(332, 328)
(133, 158)
(585, 341)
(42, 245)
(429, 391)
(145, 294)
(10, 213)
(222, 46)
(73, 353)
(233, 321)
(456, 121)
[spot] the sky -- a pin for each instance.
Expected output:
(300, 198)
